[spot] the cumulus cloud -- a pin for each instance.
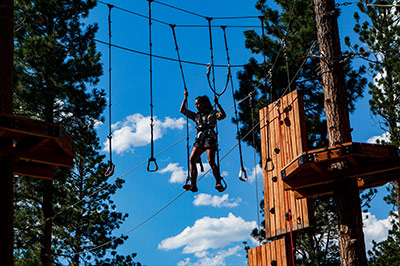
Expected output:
(203, 199)
(385, 136)
(251, 175)
(178, 175)
(375, 229)
(134, 131)
(217, 259)
(210, 233)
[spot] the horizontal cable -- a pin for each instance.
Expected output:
(192, 26)
(160, 56)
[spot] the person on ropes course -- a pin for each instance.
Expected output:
(206, 138)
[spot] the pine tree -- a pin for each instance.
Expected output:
(291, 55)
(381, 33)
(56, 71)
(386, 252)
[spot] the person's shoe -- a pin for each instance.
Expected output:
(219, 187)
(194, 188)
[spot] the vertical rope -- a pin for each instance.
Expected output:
(255, 159)
(267, 96)
(151, 159)
(213, 83)
(110, 170)
(186, 104)
(287, 64)
(242, 171)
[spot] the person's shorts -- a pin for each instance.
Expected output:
(206, 139)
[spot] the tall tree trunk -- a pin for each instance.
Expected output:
(397, 190)
(47, 227)
(6, 172)
(351, 237)
(47, 203)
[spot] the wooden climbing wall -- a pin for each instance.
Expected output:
(275, 253)
(283, 138)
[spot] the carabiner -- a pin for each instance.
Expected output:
(110, 170)
(242, 173)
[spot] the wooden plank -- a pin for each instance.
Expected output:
(33, 170)
(29, 127)
(258, 252)
(289, 137)
(264, 255)
(269, 255)
(250, 257)
(273, 251)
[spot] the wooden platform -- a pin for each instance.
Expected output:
(310, 174)
(37, 147)
(275, 253)
(283, 138)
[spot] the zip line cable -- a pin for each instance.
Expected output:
(242, 171)
(152, 158)
(180, 9)
(162, 57)
(194, 26)
(186, 104)
(110, 170)
(164, 207)
(170, 146)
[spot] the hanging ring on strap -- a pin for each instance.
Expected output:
(242, 174)
(209, 65)
(152, 159)
(188, 184)
(266, 165)
(110, 170)
(220, 187)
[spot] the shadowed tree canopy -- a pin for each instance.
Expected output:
(57, 69)
(287, 56)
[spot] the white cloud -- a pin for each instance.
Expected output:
(217, 259)
(134, 131)
(252, 175)
(210, 233)
(375, 229)
(178, 175)
(385, 136)
(203, 199)
(98, 124)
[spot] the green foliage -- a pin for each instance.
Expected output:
(289, 48)
(386, 252)
(57, 69)
(290, 37)
(380, 32)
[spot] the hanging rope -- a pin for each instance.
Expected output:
(242, 171)
(110, 169)
(186, 104)
(287, 63)
(255, 157)
(152, 159)
(215, 94)
(268, 97)
(210, 66)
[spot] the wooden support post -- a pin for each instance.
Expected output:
(6, 173)
(351, 237)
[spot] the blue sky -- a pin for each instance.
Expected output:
(206, 228)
